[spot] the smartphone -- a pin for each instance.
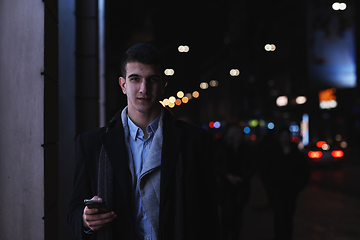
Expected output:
(99, 204)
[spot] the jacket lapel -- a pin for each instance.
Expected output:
(114, 144)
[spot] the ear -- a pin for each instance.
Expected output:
(122, 84)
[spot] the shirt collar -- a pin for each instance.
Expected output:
(135, 130)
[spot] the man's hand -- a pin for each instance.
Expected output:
(94, 220)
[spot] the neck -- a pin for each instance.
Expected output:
(142, 120)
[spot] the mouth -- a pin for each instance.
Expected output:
(144, 99)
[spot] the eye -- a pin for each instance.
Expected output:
(155, 79)
(134, 79)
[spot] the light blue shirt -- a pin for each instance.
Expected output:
(140, 149)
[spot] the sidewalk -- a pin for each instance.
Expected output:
(321, 215)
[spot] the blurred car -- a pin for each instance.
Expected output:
(322, 154)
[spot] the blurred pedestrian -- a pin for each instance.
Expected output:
(235, 170)
(284, 172)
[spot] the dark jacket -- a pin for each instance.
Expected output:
(188, 207)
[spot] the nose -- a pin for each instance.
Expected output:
(143, 86)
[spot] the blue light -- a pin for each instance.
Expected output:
(305, 129)
(217, 124)
(294, 128)
(246, 130)
(271, 125)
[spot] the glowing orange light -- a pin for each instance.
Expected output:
(195, 94)
(337, 154)
(185, 100)
(320, 144)
(315, 154)
(178, 102)
(327, 95)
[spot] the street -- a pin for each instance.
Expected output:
(327, 209)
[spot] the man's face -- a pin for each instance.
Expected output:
(143, 86)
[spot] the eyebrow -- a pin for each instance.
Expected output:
(133, 75)
(137, 75)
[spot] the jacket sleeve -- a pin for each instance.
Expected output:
(81, 191)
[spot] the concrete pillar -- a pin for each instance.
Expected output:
(22, 119)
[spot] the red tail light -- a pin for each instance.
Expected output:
(337, 154)
(315, 154)
(320, 144)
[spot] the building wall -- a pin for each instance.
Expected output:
(22, 119)
(67, 119)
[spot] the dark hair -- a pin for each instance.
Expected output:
(145, 53)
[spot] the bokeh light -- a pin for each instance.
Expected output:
(180, 94)
(234, 72)
(169, 72)
(195, 94)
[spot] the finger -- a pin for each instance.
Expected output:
(97, 223)
(90, 211)
(96, 198)
(100, 217)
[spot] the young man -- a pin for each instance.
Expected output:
(155, 173)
